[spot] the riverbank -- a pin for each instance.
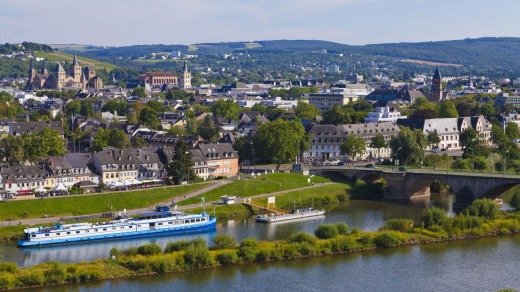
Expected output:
(178, 257)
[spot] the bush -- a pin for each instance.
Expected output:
(55, 275)
(515, 201)
(463, 222)
(342, 228)
(183, 244)
(264, 255)
(433, 216)
(197, 257)
(33, 279)
(160, 266)
(290, 250)
(115, 252)
(325, 231)
(223, 241)
(149, 249)
(306, 249)
(248, 249)
(343, 244)
(130, 251)
(8, 267)
(4, 283)
(228, 257)
(403, 225)
(482, 208)
(386, 240)
(302, 236)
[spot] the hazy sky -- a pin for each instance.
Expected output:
(356, 22)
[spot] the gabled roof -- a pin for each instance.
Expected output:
(437, 74)
(214, 151)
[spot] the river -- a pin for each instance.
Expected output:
(484, 265)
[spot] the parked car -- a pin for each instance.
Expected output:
(436, 150)
(370, 165)
(341, 163)
(402, 168)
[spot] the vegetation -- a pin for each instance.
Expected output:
(195, 254)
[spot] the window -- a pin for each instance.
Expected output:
(46, 234)
(77, 232)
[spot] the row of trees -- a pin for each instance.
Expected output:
(31, 147)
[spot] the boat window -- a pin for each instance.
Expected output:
(46, 234)
(68, 232)
(170, 222)
(122, 227)
(129, 227)
(159, 224)
(87, 231)
(138, 225)
(58, 233)
(77, 231)
(113, 228)
(96, 230)
(34, 235)
(186, 221)
(104, 229)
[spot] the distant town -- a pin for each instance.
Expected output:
(72, 126)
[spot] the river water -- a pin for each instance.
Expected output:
(473, 265)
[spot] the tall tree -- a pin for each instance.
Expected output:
(139, 92)
(336, 115)
(512, 131)
(353, 146)
(180, 169)
(306, 111)
(148, 117)
(207, 129)
(433, 138)
(279, 141)
(378, 142)
(408, 146)
(245, 148)
(448, 110)
(228, 109)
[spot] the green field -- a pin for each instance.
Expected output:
(252, 45)
(62, 57)
(192, 48)
(264, 184)
(91, 204)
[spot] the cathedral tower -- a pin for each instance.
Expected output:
(75, 69)
(185, 82)
(436, 92)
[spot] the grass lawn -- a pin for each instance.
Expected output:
(91, 204)
(263, 184)
(62, 57)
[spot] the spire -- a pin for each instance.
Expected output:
(43, 67)
(59, 68)
(185, 66)
(31, 66)
(437, 74)
(75, 61)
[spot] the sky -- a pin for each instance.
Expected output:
(353, 22)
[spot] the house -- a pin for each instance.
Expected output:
(69, 170)
(326, 139)
(221, 159)
(383, 114)
(20, 128)
(21, 180)
(325, 101)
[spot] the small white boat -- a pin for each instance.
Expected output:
(296, 215)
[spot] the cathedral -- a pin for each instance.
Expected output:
(77, 78)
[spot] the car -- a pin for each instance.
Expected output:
(402, 168)
(436, 150)
(443, 149)
(341, 163)
(370, 165)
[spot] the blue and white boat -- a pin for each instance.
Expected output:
(145, 225)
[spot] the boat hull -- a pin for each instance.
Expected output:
(288, 217)
(180, 230)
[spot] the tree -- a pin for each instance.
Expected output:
(110, 138)
(245, 148)
(260, 108)
(139, 92)
(336, 116)
(138, 142)
(352, 146)
(87, 109)
(433, 216)
(306, 111)
(116, 105)
(12, 149)
(227, 109)
(498, 136)
(512, 131)
(411, 145)
(156, 105)
(448, 110)
(176, 130)
(471, 144)
(482, 208)
(207, 129)
(278, 141)
(378, 142)
(73, 107)
(515, 201)
(433, 138)
(180, 168)
(148, 117)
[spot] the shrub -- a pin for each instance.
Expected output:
(325, 231)
(343, 244)
(149, 249)
(302, 236)
(403, 225)
(463, 222)
(35, 278)
(8, 267)
(515, 201)
(115, 252)
(130, 251)
(4, 283)
(176, 246)
(197, 257)
(223, 241)
(160, 266)
(264, 255)
(227, 257)
(342, 228)
(290, 250)
(366, 240)
(482, 208)
(386, 240)
(306, 249)
(55, 275)
(248, 249)
(355, 230)
(433, 216)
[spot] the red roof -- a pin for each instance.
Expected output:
(160, 74)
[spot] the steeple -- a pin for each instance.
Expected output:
(44, 69)
(31, 66)
(185, 66)
(437, 74)
(75, 61)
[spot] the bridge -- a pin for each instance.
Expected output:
(415, 183)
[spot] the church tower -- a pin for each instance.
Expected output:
(436, 92)
(75, 69)
(185, 82)
(32, 74)
(60, 76)
(44, 71)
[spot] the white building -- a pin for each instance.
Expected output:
(325, 101)
(384, 114)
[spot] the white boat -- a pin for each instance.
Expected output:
(296, 215)
(148, 224)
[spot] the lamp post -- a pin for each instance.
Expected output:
(472, 158)
(396, 152)
(188, 170)
(505, 162)
(352, 155)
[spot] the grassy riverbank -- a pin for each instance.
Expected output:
(251, 186)
(91, 204)
(328, 239)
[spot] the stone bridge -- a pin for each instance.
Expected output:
(415, 183)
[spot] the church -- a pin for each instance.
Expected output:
(77, 78)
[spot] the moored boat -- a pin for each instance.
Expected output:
(296, 215)
(147, 224)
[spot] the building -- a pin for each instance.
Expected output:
(69, 170)
(449, 129)
(221, 159)
(504, 99)
(325, 101)
(185, 81)
(326, 140)
(158, 78)
(77, 78)
(384, 114)
(436, 93)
